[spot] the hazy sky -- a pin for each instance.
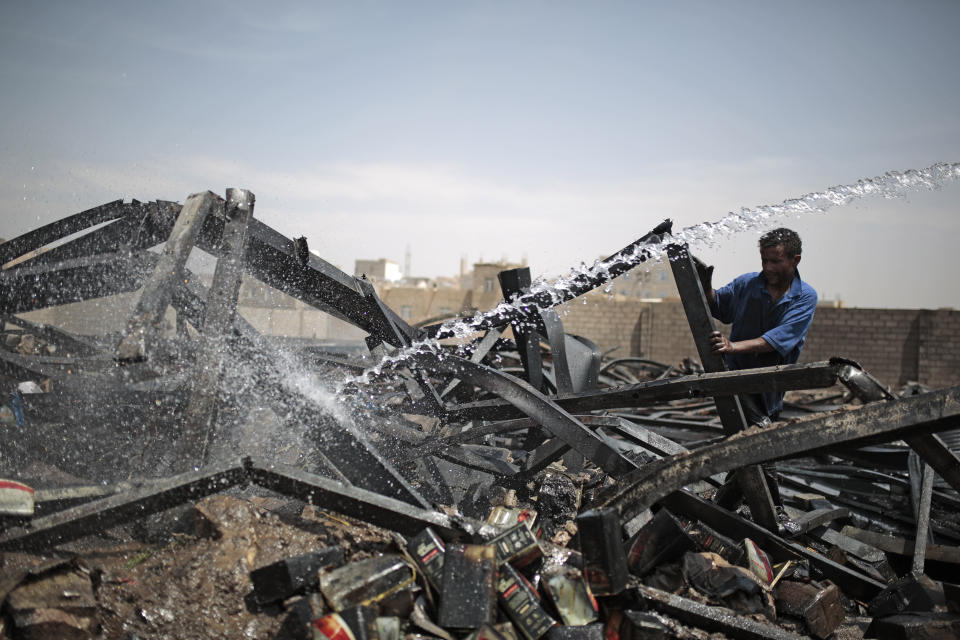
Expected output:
(559, 131)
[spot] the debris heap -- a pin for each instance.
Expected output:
(491, 477)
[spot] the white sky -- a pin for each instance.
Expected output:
(560, 131)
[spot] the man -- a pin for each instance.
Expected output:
(770, 313)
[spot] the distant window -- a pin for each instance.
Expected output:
(663, 276)
(488, 284)
(406, 312)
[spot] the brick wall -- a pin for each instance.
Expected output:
(895, 345)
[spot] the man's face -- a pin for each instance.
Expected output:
(778, 267)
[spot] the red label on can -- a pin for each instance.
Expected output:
(332, 627)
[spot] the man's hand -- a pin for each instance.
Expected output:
(705, 274)
(720, 344)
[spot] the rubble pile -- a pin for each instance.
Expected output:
(492, 477)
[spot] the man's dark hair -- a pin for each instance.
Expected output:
(787, 237)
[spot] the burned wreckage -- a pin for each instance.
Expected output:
(525, 485)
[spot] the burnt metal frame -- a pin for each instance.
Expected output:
(218, 319)
(927, 413)
(780, 378)
(99, 515)
(140, 334)
(534, 404)
(749, 478)
(347, 450)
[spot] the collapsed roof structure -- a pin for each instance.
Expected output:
(454, 414)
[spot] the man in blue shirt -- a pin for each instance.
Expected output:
(770, 313)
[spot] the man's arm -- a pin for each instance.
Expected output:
(721, 344)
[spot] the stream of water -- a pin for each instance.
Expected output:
(891, 184)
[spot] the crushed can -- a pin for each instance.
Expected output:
(355, 623)
(571, 596)
(604, 558)
(660, 540)
(467, 596)
(426, 548)
(366, 582)
(522, 604)
(280, 580)
(517, 545)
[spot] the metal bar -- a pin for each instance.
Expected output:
(615, 265)
(513, 284)
(271, 258)
(479, 353)
(929, 412)
(749, 478)
(386, 330)
(930, 448)
(56, 367)
(721, 383)
(536, 405)
(99, 515)
(708, 618)
(471, 460)
(28, 288)
(345, 446)
(201, 412)
(923, 519)
(375, 508)
(901, 546)
(934, 451)
(558, 351)
(142, 226)
(37, 238)
(544, 455)
(73, 344)
(158, 290)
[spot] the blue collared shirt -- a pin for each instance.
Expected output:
(747, 305)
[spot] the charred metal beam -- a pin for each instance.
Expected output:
(926, 413)
(465, 457)
(221, 307)
(513, 284)
(923, 519)
(477, 355)
(28, 288)
(749, 478)
(559, 357)
(375, 508)
(615, 265)
(38, 238)
(100, 515)
(930, 448)
(345, 446)
(158, 290)
(143, 225)
(57, 367)
(272, 258)
(722, 383)
(708, 618)
(934, 451)
(386, 330)
(902, 546)
(72, 344)
(534, 404)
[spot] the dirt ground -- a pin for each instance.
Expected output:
(195, 585)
